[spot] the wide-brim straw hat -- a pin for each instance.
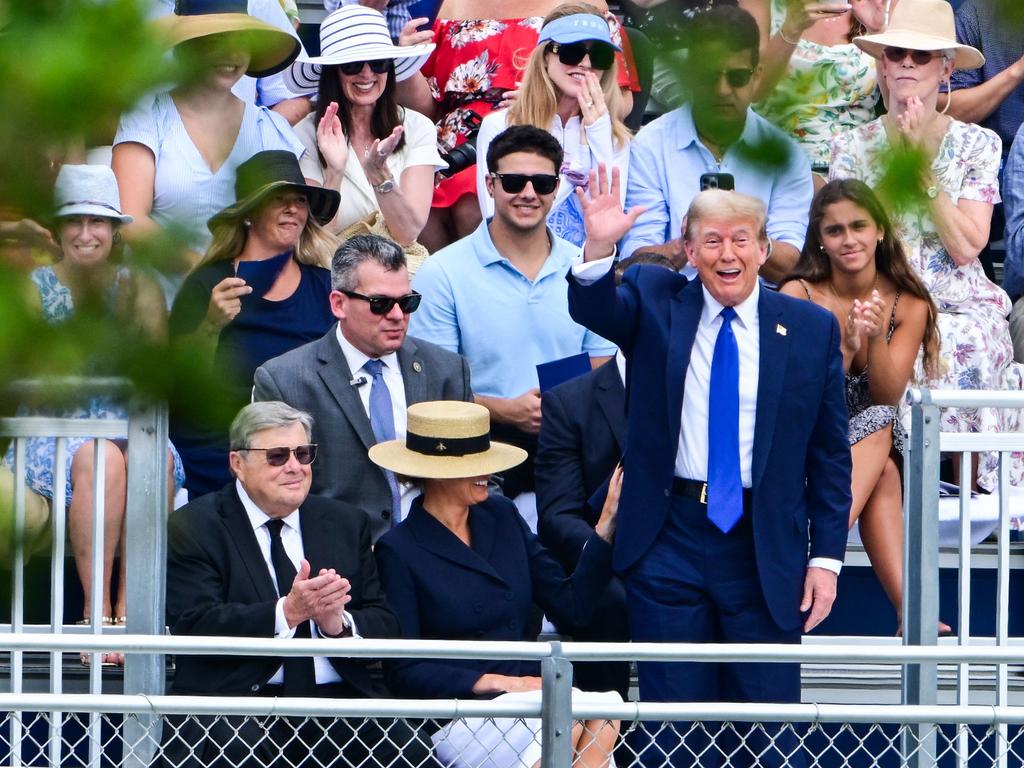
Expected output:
(922, 25)
(267, 171)
(270, 49)
(445, 440)
(88, 190)
(355, 33)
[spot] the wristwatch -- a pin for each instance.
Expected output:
(388, 185)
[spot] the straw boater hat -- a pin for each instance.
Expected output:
(922, 25)
(355, 33)
(267, 171)
(88, 190)
(446, 440)
(271, 49)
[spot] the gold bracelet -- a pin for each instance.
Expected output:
(785, 39)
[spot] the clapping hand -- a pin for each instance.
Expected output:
(376, 157)
(604, 219)
(606, 523)
(331, 139)
(801, 14)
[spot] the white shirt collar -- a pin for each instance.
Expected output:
(257, 517)
(357, 359)
(620, 364)
(746, 310)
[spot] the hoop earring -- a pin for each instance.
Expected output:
(949, 97)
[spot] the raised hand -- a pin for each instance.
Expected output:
(591, 99)
(411, 34)
(331, 139)
(604, 219)
(226, 302)
(376, 157)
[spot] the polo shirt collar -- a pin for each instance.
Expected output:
(686, 130)
(485, 250)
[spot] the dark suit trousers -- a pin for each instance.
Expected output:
(699, 585)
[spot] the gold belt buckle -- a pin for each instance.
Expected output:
(703, 493)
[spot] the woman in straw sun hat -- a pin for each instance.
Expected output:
(464, 566)
(944, 231)
(359, 141)
(176, 153)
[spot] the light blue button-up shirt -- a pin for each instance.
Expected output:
(479, 305)
(667, 160)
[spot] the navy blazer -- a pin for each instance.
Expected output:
(801, 457)
(440, 589)
(582, 436)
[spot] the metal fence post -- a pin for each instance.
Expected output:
(556, 713)
(921, 570)
(148, 501)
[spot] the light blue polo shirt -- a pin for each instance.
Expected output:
(479, 305)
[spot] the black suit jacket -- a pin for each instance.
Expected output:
(582, 436)
(219, 584)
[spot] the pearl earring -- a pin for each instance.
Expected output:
(247, 222)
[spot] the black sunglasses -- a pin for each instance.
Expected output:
(514, 183)
(736, 78)
(377, 66)
(601, 54)
(897, 55)
(278, 457)
(381, 305)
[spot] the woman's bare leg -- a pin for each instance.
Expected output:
(869, 458)
(594, 742)
(881, 531)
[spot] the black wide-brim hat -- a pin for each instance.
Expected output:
(270, 49)
(270, 170)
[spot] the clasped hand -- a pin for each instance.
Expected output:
(321, 598)
(864, 322)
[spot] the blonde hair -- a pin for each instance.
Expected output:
(315, 247)
(720, 204)
(537, 102)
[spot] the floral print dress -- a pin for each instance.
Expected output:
(975, 346)
(41, 452)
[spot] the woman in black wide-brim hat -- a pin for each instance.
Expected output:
(261, 290)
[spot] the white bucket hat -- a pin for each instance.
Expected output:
(88, 190)
(355, 33)
(922, 25)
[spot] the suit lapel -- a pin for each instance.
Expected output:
(412, 372)
(774, 351)
(336, 376)
(242, 535)
(685, 315)
(609, 396)
(318, 539)
(434, 537)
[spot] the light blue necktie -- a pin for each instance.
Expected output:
(382, 420)
(725, 486)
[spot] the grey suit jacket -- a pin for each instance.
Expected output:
(315, 378)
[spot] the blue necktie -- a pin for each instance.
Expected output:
(382, 420)
(725, 486)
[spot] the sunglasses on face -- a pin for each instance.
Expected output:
(601, 54)
(735, 78)
(382, 305)
(278, 457)
(377, 66)
(897, 55)
(514, 183)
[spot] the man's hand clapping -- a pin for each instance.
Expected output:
(321, 598)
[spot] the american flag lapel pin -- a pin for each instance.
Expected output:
(780, 329)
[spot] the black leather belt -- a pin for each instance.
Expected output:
(697, 490)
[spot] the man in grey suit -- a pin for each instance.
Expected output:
(358, 379)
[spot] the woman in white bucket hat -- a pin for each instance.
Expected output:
(946, 227)
(359, 141)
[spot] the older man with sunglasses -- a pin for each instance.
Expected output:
(716, 132)
(358, 379)
(498, 297)
(262, 558)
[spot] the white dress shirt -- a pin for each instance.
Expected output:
(392, 374)
(291, 538)
(692, 450)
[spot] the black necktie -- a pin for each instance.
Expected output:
(299, 675)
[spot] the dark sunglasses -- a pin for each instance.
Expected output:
(601, 54)
(736, 78)
(514, 183)
(897, 55)
(377, 66)
(381, 305)
(278, 457)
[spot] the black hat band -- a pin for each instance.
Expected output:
(447, 446)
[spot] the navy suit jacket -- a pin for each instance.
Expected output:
(801, 456)
(440, 589)
(582, 437)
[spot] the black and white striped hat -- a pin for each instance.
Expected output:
(355, 33)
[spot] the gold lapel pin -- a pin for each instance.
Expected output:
(417, 366)
(780, 329)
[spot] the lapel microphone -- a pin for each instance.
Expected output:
(358, 381)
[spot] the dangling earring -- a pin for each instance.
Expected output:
(247, 222)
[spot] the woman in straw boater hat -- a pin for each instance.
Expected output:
(945, 229)
(463, 565)
(262, 289)
(381, 157)
(176, 153)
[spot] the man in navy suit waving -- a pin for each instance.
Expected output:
(736, 493)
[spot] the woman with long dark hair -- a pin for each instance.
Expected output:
(854, 266)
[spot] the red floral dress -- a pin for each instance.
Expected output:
(476, 60)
